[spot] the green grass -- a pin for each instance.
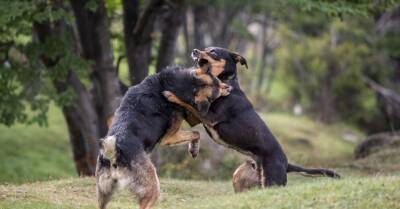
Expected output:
(31, 153)
(302, 192)
(309, 142)
(384, 160)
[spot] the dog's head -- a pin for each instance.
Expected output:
(196, 87)
(207, 88)
(221, 62)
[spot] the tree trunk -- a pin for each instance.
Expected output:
(80, 115)
(172, 20)
(388, 103)
(138, 50)
(95, 41)
(188, 46)
(219, 22)
(199, 14)
(264, 48)
(130, 17)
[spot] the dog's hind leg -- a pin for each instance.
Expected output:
(273, 172)
(105, 186)
(144, 182)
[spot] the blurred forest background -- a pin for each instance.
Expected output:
(324, 74)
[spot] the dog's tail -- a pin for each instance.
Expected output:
(108, 147)
(313, 171)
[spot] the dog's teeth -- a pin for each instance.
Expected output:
(194, 57)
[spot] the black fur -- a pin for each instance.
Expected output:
(241, 128)
(144, 114)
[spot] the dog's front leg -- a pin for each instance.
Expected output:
(175, 136)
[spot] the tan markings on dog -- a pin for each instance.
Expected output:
(203, 94)
(205, 78)
(141, 179)
(199, 71)
(174, 99)
(175, 136)
(147, 188)
(171, 97)
(217, 66)
(108, 148)
(109, 121)
(245, 177)
(192, 120)
(206, 92)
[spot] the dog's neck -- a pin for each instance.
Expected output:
(180, 82)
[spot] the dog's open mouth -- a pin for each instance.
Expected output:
(202, 62)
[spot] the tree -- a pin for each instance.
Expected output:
(70, 53)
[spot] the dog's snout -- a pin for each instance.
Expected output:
(195, 53)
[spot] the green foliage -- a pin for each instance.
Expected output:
(91, 5)
(113, 6)
(26, 83)
(325, 71)
(391, 42)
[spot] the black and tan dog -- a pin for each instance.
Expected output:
(145, 118)
(233, 122)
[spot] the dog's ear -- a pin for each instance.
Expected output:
(239, 58)
(203, 107)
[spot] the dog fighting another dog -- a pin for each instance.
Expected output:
(152, 112)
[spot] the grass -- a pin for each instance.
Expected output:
(311, 143)
(32, 153)
(384, 160)
(302, 192)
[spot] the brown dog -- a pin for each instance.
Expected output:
(246, 177)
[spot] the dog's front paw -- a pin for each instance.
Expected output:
(194, 148)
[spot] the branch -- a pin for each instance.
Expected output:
(143, 22)
(120, 58)
(380, 89)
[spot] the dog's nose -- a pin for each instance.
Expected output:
(195, 54)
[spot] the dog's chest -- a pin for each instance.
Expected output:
(216, 137)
